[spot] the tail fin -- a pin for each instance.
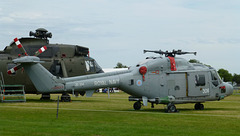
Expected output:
(42, 79)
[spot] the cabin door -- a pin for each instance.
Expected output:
(177, 84)
(198, 84)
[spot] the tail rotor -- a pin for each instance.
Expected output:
(19, 45)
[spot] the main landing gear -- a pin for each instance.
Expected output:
(137, 105)
(45, 97)
(171, 108)
(199, 106)
(65, 97)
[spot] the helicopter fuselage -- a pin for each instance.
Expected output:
(62, 60)
(160, 84)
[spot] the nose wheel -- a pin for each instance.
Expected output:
(199, 106)
(137, 105)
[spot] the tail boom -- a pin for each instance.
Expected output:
(42, 79)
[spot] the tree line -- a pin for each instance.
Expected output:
(228, 77)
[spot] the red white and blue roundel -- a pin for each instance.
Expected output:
(139, 82)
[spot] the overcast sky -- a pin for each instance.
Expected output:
(119, 30)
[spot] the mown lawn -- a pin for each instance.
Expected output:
(103, 116)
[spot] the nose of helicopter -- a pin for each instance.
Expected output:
(229, 89)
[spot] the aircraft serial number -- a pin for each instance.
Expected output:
(206, 91)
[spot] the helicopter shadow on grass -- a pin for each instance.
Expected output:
(208, 109)
(88, 101)
(55, 100)
(185, 110)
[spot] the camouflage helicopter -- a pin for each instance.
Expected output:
(62, 60)
(165, 80)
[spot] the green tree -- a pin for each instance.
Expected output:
(197, 61)
(225, 75)
(236, 78)
(194, 61)
(120, 65)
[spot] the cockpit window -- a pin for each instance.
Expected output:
(216, 80)
(90, 67)
(98, 68)
(200, 80)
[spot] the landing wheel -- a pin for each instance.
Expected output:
(65, 98)
(171, 108)
(199, 106)
(137, 105)
(45, 97)
(152, 106)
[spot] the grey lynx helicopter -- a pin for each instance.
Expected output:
(62, 60)
(165, 80)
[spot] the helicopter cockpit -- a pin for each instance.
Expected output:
(216, 80)
(92, 65)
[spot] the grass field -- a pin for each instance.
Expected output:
(103, 116)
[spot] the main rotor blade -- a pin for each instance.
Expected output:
(41, 50)
(19, 45)
(14, 69)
